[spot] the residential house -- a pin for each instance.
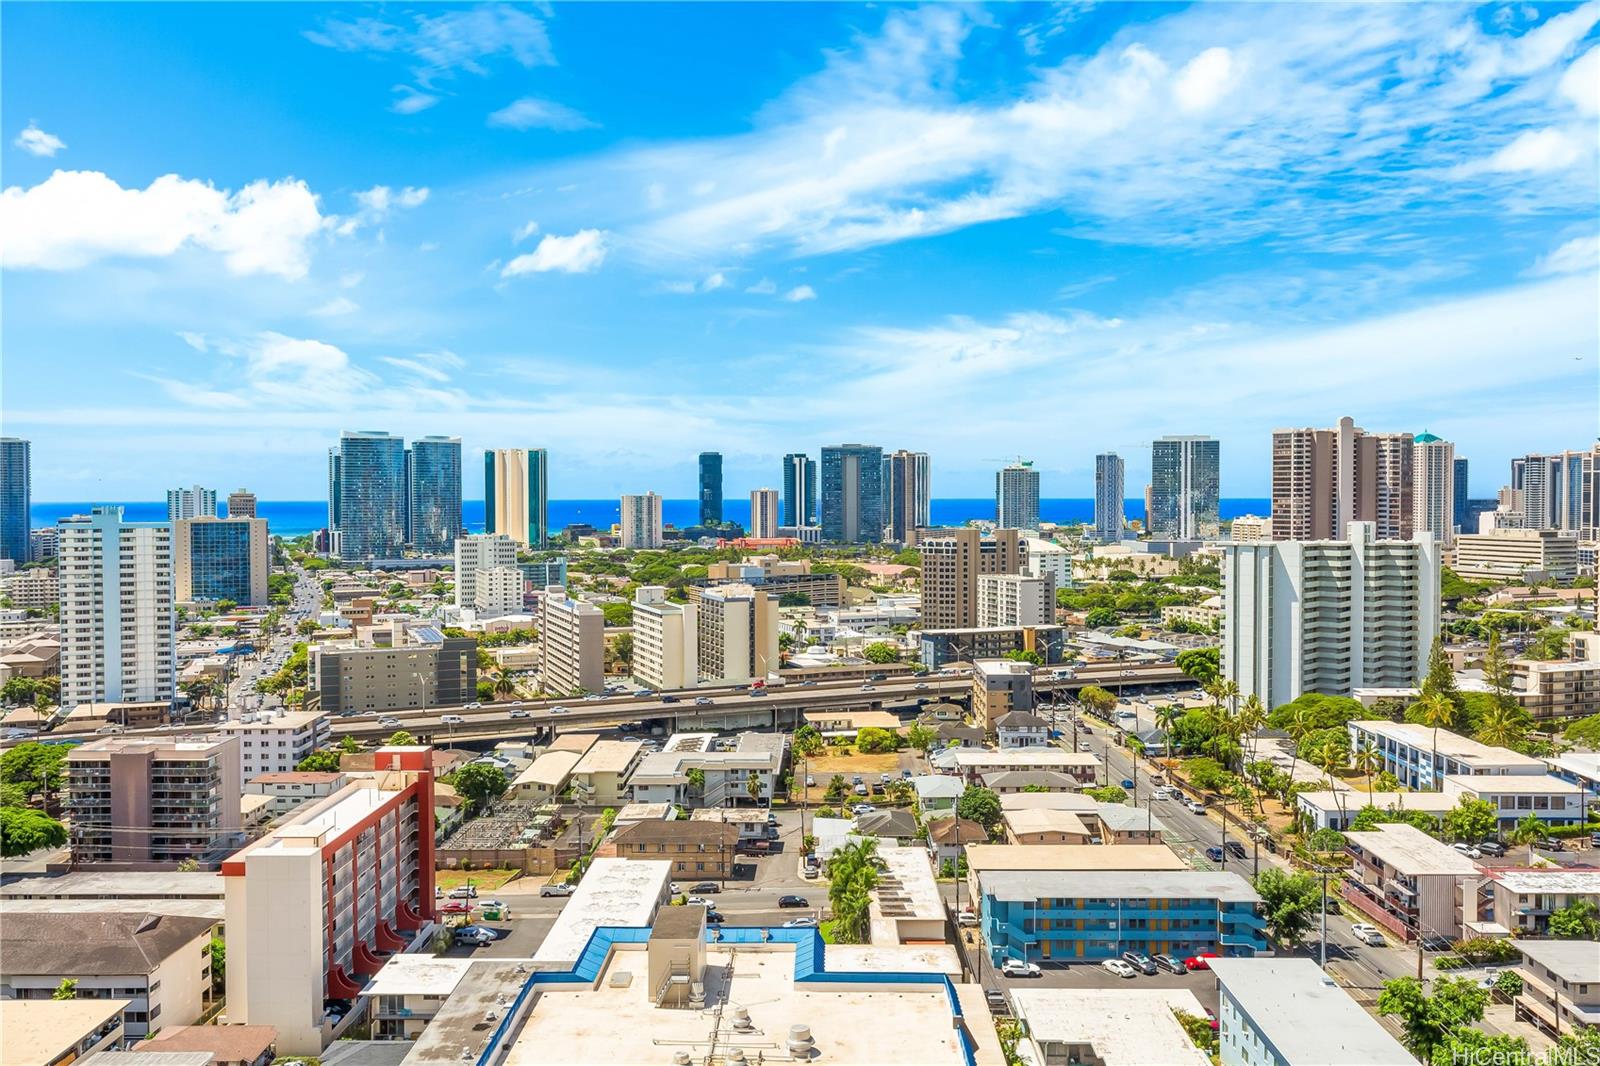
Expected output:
(948, 839)
(1039, 826)
(1513, 797)
(1560, 984)
(1522, 900)
(229, 1045)
(1007, 782)
(936, 793)
(696, 849)
(890, 828)
(410, 989)
(1020, 729)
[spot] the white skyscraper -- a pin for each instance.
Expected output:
(117, 619)
(641, 521)
(665, 649)
(191, 503)
(1016, 496)
(480, 551)
(1012, 600)
(1433, 497)
(764, 513)
(1328, 616)
(1108, 497)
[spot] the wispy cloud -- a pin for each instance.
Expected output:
(440, 45)
(530, 112)
(376, 204)
(409, 101)
(339, 305)
(581, 253)
(36, 141)
(800, 293)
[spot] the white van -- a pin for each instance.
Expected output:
(452, 719)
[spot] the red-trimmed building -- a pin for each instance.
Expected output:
(316, 905)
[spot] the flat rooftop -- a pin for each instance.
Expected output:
(36, 1032)
(1576, 961)
(291, 720)
(1452, 744)
(1045, 820)
(615, 1020)
(418, 975)
(623, 892)
(1124, 1026)
(1120, 818)
(1430, 802)
(1049, 801)
(1305, 1016)
(1023, 885)
(1411, 851)
(608, 756)
(1581, 763)
(1035, 757)
(1515, 783)
(1059, 857)
(907, 888)
(94, 884)
(1556, 880)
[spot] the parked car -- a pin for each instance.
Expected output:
(1018, 968)
(1169, 964)
(862, 808)
(861, 790)
(1211, 1016)
(457, 906)
(464, 892)
(1492, 847)
(557, 890)
(1368, 934)
(700, 901)
(475, 936)
(1468, 850)
(811, 781)
(855, 779)
(997, 1001)
(793, 901)
(1141, 962)
(1118, 968)
(1550, 844)
(801, 923)
(967, 917)
(1201, 961)
(705, 888)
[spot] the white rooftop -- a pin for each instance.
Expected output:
(1451, 744)
(418, 975)
(622, 892)
(1581, 763)
(1430, 802)
(1411, 851)
(1124, 1026)
(1530, 783)
(1049, 801)
(913, 870)
(1042, 758)
(1553, 880)
(1303, 1016)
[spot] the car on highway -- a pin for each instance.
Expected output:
(1127, 783)
(1169, 964)
(592, 696)
(473, 706)
(1118, 968)
(1141, 962)
(800, 923)
(667, 698)
(807, 684)
(557, 890)
(452, 719)
(1368, 934)
(921, 686)
(1201, 961)
(388, 720)
(757, 692)
(867, 688)
(1018, 968)
(793, 901)
(518, 713)
(1162, 793)
(703, 701)
(558, 710)
(705, 888)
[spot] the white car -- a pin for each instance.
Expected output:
(1118, 968)
(800, 923)
(558, 710)
(518, 714)
(452, 719)
(1368, 934)
(1018, 968)
(1468, 850)
(966, 918)
(1196, 807)
(700, 901)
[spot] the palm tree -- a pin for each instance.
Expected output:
(1167, 717)
(1331, 758)
(1500, 725)
(1298, 726)
(852, 875)
(1436, 709)
(752, 785)
(503, 685)
(1367, 761)
(1526, 832)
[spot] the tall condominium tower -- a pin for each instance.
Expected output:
(477, 552)
(241, 504)
(1559, 491)
(641, 521)
(1108, 497)
(710, 488)
(1433, 487)
(1016, 496)
(16, 497)
(799, 490)
(191, 503)
(764, 513)
(367, 495)
(952, 563)
(117, 615)
(1324, 479)
(1459, 478)
(516, 495)
(852, 493)
(908, 493)
(1185, 476)
(435, 494)
(221, 559)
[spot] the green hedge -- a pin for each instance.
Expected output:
(1565, 831)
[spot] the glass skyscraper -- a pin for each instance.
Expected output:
(1016, 496)
(516, 495)
(16, 497)
(367, 502)
(1108, 497)
(219, 561)
(852, 493)
(435, 494)
(710, 488)
(799, 490)
(1184, 487)
(1460, 516)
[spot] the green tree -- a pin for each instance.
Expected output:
(1508, 984)
(1290, 903)
(794, 599)
(1585, 731)
(1207, 774)
(921, 737)
(24, 830)
(1106, 794)
(1024, 655)
(1429, 1021)
(1503, 723)
(1202, 664)
(836, 789)
(980, 805)
(618, 614)
(219, 964)
(400, 739)
(1576, 921)
(1471, 820)
(1097, 699)
(1100, 618)
(1526, 833)
(1317, 711)
(36, 767)
(349, 746)
(696, 778)
(807, 741)
(1437, 709)
(852, 875)
(306, 627)
(67, 989)
(752, 787)
(881, 651)
(871, 740)
(1440, 679)
(323, 761)
(480, 784)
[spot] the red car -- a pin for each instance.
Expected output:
(1199, 962)
(457, 906)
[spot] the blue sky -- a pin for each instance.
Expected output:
(628, 233)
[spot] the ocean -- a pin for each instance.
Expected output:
(291, 518)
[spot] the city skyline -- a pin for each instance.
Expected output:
(503, 240)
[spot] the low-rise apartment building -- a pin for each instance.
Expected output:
(544, 778)
(152, 804)
(1287, 1012)
(275, 745)
(1517, 554)
(1039, 825)
(159, 964)
(1560, 984)
(1516, 796)
(663, 776)
(699, 850)
(1336, 810)
(420, 667)
(406, 994)
(1556, 689)
(47, 1032)
(1080, 765)
(941, 647)
(1420, 759)
(286, 790)
(1407, 882)
(1522, 900)
(601, 776)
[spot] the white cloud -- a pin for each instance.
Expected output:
(409, 101)
(524, 231)
(433, 366)
(376, 204)
(1537, 151)
(460, 39)
(580, 253)
(799, 293)
(714, 282)
(74, 218)
(339, 305)
(530, 112)
(764, 287)
(197, 341)
(1204, 80)
(36, 141)
(1581, 82)
(351, 278)
(1579, 255)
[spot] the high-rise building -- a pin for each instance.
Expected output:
(1250, 529)
(16, 497)
(572, 643)
(154, 800)
(480, 551)
(516, 495)
(736, 635)
(197, 502)
(641, 521)
(418, 667)
(799, 490)
(852, 493)
(1328, 616)
(1559, 491)
(1016, 496)
(221, 559)
(1459, 477)
(764, 513)
(434, 494)
(1012, 600)
(1433, 487)
(367, 502)
(1185, 481)
(710, 488)
(1108, 497)
(276, 744)
(1324, 479)
(952, 562)
(117, 614)
(241, 504)
(909, 494)
(665, 634)
(497, 591)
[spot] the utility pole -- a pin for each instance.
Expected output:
(1322, 946)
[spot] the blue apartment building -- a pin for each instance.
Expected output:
(1049, 916)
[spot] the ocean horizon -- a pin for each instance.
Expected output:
(293, 518)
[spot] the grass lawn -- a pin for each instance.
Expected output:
(825, 927)
(486, 881)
